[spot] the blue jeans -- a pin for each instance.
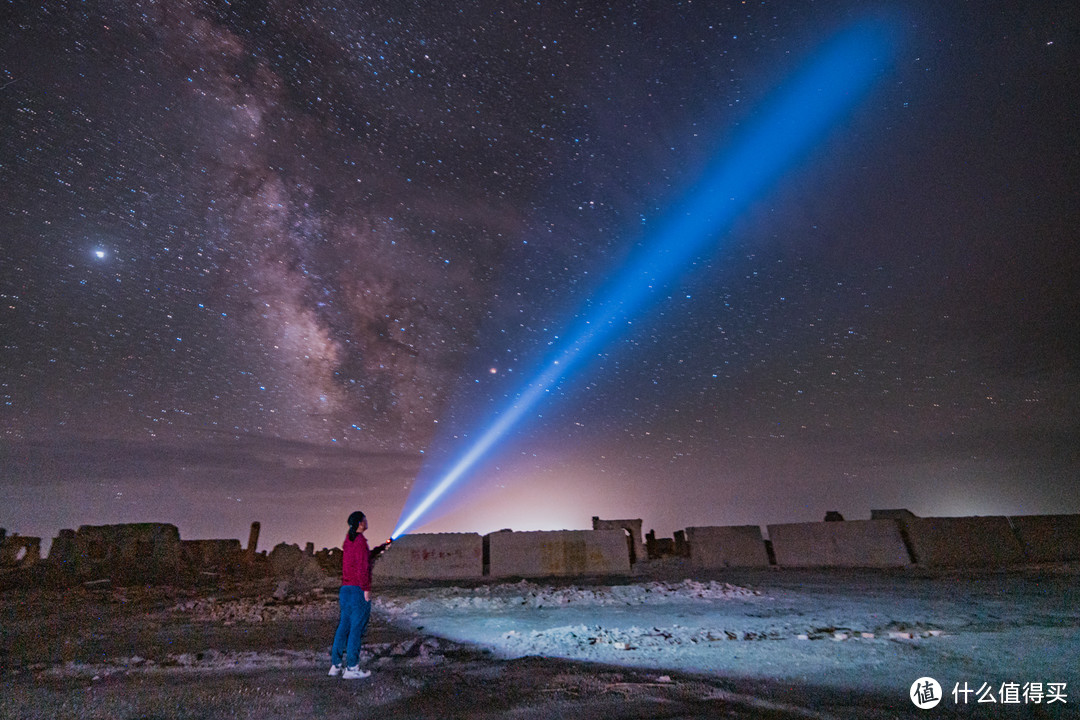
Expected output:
(355, 611)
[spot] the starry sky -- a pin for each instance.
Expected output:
(268, 260)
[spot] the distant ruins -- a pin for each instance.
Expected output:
(155, 553)
(133, 552)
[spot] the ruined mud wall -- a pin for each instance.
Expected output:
(1048, 538)
(558, 553)
(851, 543)
(894, 538)
(962, 541)
(19, 550)
(154, 552)
(731, 546)
(212, 555)
(632, 528)
(432, 556)
(150, 551)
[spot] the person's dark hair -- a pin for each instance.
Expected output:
(354, 523)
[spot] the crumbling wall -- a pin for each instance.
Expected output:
(19, 551)
(212, 555)
(284, 558)
(559, 552)
(253, 538)
(432, 556)
(62, 550)
(1048, 538)
(136, 552)
(963, 541)
(154, 552)
(297, 571)
(632, 528)
(851, 543)
(330, 560)
(726, 546)
(656, 548)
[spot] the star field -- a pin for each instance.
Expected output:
(363, 224)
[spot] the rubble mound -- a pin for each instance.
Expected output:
(259, 609)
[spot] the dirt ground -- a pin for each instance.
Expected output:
(133, 653)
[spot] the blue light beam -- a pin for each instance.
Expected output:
(814, 100)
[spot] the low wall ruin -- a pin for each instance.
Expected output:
(1048, 538)
(133, 551)
(212, 555)
(558, 553)
(726, 546)
(19, 551)
(848, 543)
(632, 528)
(432, 556)
(962, 541)
(147, 552)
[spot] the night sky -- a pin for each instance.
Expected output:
(266, 260)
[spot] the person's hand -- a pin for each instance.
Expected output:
(367, 595)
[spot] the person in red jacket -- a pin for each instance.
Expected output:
(355, 601)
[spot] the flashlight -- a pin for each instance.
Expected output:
(378, 550)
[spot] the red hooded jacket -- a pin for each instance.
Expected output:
(355, 566)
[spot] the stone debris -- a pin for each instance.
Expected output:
(410, 653)
(527, 594)
(582, 640)
(259, 609)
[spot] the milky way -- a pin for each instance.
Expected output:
(361, 224)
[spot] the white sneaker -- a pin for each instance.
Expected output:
(335, 670)
(355, 673)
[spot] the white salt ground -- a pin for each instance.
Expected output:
(861, 631)
(839, 630)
